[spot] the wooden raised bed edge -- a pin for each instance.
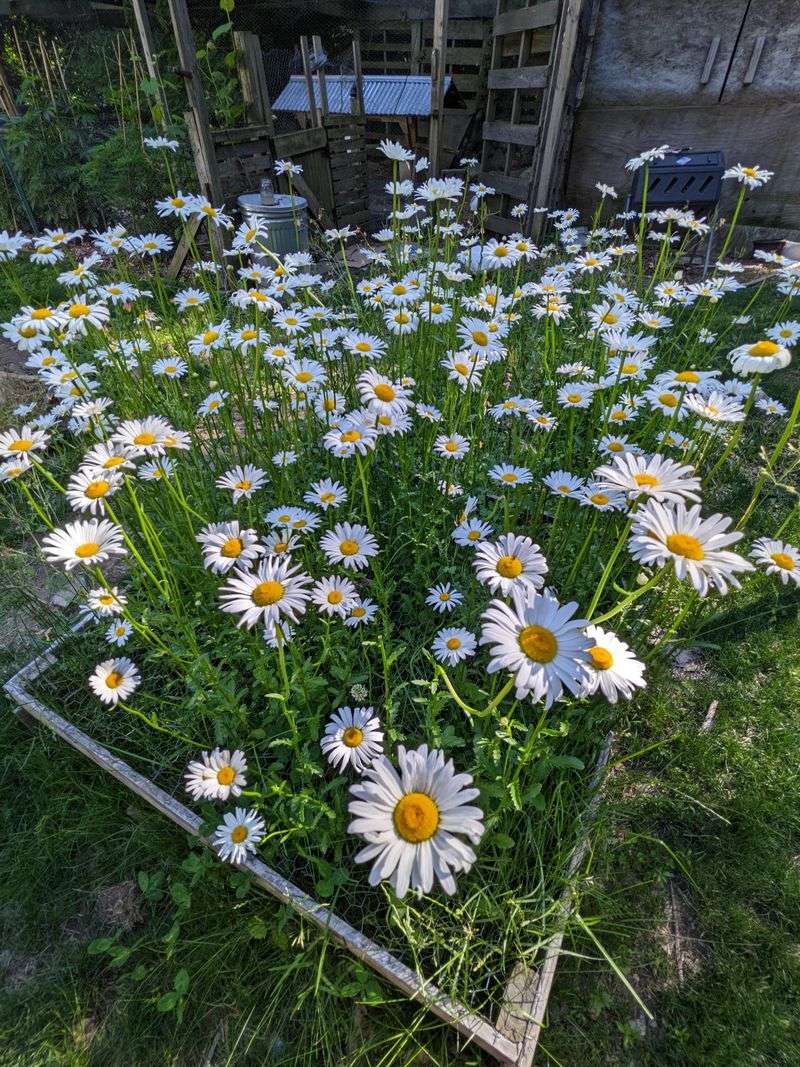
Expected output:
(512, 1041)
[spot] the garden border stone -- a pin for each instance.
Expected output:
(512, 1040)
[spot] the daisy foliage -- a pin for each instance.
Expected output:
(390, 553)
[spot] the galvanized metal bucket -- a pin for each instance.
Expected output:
(286, 220)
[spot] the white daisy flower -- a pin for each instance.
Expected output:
(170, 368)
(218, 775)
(444, 597)
(752, 177)
(349, 544)
(142, 437)
(697, 547)
(562, 483)
(118, 633)
(786, 333)
(510, 563)
(326, 494)
(453, 446)
(381, 394)
(334, 596)
(114, 680)
(352, 738)
(105, 602)
(471, 532)
(350, 436)
(243, 481)
(87, 489)
(411, 820)
(88, 542)
(716, 407)
(238, 835)
(226, 545)
(213, 403)
(778, 557)
(276, 588)
(453, 645)
(612, 668)
(759, 358)
(649, 476)
(510, 476)
(539, 641)
(362, 612)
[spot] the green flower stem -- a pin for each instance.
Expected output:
(612, 559)
(154, 724)
(734, 220)
(773, 459)
(737, 433)
(631, 598)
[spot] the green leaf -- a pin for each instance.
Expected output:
(567, 761)
(180, 894)
(227, 6)
(257, 928)
(503, 841)
(168, 1001)
(180, 982)
(99, 946)
(217, 32)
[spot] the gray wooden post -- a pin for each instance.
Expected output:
(438, 62)
(148, 51)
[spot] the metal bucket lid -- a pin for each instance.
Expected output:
(283, 205)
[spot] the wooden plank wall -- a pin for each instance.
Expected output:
(347, 153)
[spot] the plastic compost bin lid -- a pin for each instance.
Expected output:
(680, 178)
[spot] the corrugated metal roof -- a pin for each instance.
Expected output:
(384, 94)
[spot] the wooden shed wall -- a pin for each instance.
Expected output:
(724, 74)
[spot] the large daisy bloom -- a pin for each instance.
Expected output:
(114, 680)
(87, 489)
(352, 738)
(89, 542)
(759, 358)
(274, 589)
(143, 437)
(778, 557)
(239, 833)
(411, 820)
(649, 475)
(381, 394)
(21, 442)
(539, 641)
(350, 544)
(334, 596)
(217, 776)
(511, 562)
(752, 177)
(613, 668)
(227, 544)
(696, 546)
(242, 481)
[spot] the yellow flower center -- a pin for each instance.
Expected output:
(669, 400)
(31, 331)
(226, 775)
(41, 313)
(209, 336)
(453, 643)
(783, 560)
(349, 437)
(106, 599)
(352, 737)
(601, 658)
(94, 490)
(114, 680)
(399, 290)
(462, 368)
(685, 545)
(480, 338)
(688, 376)
(764, 348)
(751, 172)
(335, 597)
(451, 446)
(645, 480)
(538, 644)
(630, 368)
(266, 593)
(144, 438)
(618, 416)
(565, 489)
(591, 261)
(327, 498)
(232, 548)
(609, 318)
(615, 446)
(87, 549)
(573, 398)
(363, 346)
(509, 567)
(416, 817)
(599, 498)
(22, 444)
(359, 612)
(509, 477)
(239, 834)
(248, 335)
(348, 548)
(244, 484)
(77, 311)
(113, 461)
(473, 535)
(385, 392)
(303, 376)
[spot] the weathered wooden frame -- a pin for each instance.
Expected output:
(512, 1040)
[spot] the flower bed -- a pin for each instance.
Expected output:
(334, 498)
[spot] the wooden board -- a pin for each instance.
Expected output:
(525, 1002)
